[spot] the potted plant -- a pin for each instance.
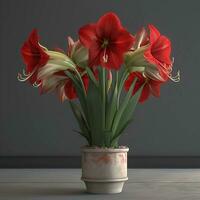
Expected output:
(103, 75)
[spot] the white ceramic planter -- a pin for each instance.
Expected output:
(104, 170)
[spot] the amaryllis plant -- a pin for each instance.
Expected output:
(94, 71)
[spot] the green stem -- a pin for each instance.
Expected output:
(83, 101)
(117, 78)
(81, 81)
(103, 96)
(121, 85)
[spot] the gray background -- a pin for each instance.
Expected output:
(34, 125)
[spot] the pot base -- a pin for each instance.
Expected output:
(104, 186)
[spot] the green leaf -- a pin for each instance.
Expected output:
(127, 114)
(83, 125)
(91, 76)
(103, 90)
(80, 92)
(94, 105)
(119, 132)
(123, 107)
(107, 138)
(131, 105)
(74, 79)
(109, 80)
(121, 85)
(111, 106)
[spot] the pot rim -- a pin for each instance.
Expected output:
(103, 150)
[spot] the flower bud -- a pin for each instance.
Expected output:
(135, 60)
(77, 52)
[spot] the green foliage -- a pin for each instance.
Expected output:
(103, 114)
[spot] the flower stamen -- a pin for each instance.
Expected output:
(105, 56)
(36, 85)
(25, 76)
(168, 71)
(175, 78)
(104, 46)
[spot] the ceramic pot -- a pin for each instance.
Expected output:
(104, 170)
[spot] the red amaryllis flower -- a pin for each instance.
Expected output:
(107, 41)
(159, 52)
(34, 57)
(150, 87)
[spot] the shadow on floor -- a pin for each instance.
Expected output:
(44, 190)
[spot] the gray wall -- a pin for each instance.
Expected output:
(34, 125)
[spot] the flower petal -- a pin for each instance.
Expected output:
(30, 59)
(161, 50)
(149, 57)
(108, 25)
(87, 34)
(94, 54)
(155, 87)
(114, 60)
(70, 90)
(154, 33)
(34, 55)
(124, 41)
(145, 93)
(140, 81)
(141, 38)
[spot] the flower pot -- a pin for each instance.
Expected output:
(104, 170)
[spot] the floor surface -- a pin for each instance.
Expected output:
(65, 184)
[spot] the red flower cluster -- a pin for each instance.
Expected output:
(157, 54)
(36, 57)
(104, 43)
